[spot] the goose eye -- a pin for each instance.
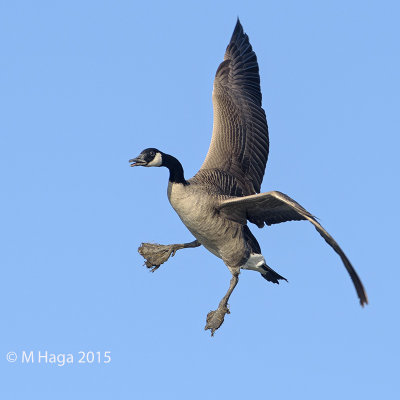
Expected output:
(152, 153)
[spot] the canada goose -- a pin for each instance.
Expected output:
(217, 202)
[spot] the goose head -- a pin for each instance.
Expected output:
(148, 158)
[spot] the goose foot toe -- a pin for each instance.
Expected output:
(216, 318)
(156, 254)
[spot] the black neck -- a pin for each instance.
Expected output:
(175, 169)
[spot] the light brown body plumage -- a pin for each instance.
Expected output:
(198, 210)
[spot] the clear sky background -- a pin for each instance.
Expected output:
(86, 85)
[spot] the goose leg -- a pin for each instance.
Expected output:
(216, 318)
(157, 254)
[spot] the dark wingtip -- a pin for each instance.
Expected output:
(364, 300)
(238, 27)
(362, 294)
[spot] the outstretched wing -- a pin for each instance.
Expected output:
(239, 144)
(275, 207)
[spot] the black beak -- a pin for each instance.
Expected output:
(135, 162)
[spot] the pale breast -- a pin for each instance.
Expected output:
(196, 209)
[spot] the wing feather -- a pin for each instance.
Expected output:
(239, 144)
(276, 207)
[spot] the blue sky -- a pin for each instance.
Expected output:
(84, 86)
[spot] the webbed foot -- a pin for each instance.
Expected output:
(216, 318)
(156, 254)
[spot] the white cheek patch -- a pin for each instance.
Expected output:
(156, 161)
